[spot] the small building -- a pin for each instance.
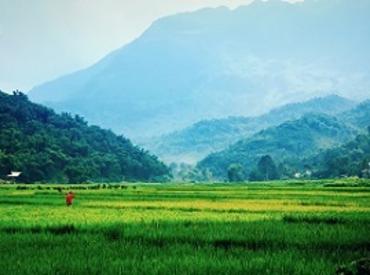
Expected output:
(14, 175)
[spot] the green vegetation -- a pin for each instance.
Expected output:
(296, 227)
(46, 146)
(266, 170)
(314, 146)
(235, 173)
(287, 144)
(351, 159)
(359, 116)
(207, 136)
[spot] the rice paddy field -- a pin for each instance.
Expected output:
(307, 227)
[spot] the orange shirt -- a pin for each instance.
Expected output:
(69, 198)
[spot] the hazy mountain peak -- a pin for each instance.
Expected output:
(289, 142)
(204, 137)
(215, 63)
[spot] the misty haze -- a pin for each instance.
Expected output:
(187, 137)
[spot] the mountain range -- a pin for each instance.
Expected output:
(208, 136)
(292, 142)
(215, 63)
(350, 159)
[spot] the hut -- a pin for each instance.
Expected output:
(14, 175)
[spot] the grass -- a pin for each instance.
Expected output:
(270, 228)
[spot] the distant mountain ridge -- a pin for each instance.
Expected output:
(350, 159)
(293, 142)
(290, 141)
(215, 63)
(359, 116)
(197, 141)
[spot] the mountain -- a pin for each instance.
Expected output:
(48, 147)
(287, 143)
(216, 63)
(208, 136)
(359, 116)
(351, 159)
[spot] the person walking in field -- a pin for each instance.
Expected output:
(69, 198)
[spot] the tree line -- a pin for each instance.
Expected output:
(48, 147)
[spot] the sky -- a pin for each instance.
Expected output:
(43, 39)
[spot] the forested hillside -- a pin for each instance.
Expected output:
(208, 136)
(351, 159)
(286, 144)
(358, 116)
(46, 146)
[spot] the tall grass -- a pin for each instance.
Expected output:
(266, 229)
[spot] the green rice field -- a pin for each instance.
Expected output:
(320, 227)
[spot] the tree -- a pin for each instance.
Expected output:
(48, 147)
(267, 169)
(255, 175)
(235, 173)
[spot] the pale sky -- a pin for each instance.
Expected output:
(43, 39)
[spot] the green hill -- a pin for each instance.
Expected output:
(358, 116)
(351, 159)
(46, 146)
(207, 136)
(287, 144)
